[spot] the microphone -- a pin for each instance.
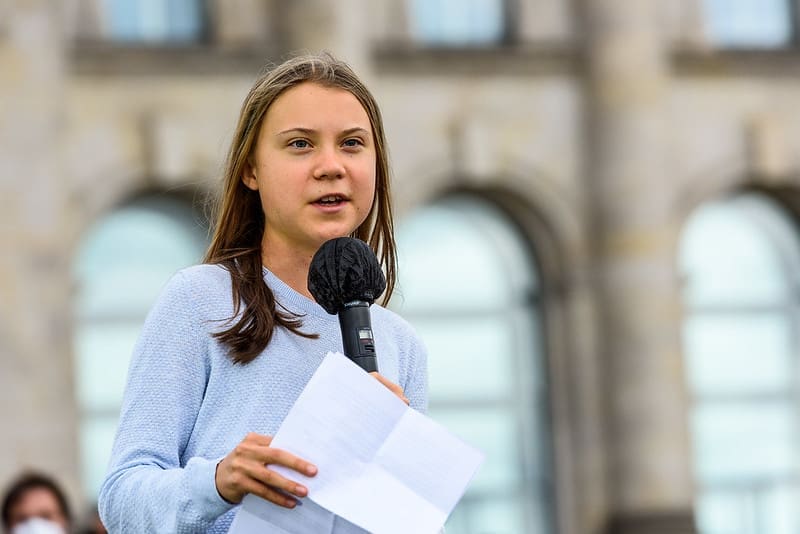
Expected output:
(345, 278)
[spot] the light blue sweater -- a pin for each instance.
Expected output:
(187, 405)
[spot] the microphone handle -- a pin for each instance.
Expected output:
(357, 338)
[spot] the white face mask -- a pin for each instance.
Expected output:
(37, 525)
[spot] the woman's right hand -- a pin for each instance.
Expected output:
(246, 470)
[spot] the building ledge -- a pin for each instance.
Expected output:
(402, 58)
(737, 63)
(547, 59)
(115, 59)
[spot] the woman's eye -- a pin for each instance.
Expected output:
(299, 143)
(352, 142)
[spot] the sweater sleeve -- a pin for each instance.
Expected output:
(147, 489)
(416, 383)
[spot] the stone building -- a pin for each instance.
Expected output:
(580, 186)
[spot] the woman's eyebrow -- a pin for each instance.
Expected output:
(301, 130)
(311, 131)
(356, 129)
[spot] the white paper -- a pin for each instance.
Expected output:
(381, 465)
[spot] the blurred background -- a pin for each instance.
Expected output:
(597, 208)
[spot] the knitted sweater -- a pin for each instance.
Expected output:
(186, 405)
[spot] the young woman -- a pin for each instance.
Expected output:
(230, 344)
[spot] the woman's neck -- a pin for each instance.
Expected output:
(291, 266)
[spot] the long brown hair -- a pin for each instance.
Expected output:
(239, 226)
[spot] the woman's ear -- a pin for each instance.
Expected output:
(249, 176)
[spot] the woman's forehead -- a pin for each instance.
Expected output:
(311, 105)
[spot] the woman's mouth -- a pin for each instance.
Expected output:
(330, 200)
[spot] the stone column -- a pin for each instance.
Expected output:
(37, 403)
(339, 27)
(242, 24)
(634, 237)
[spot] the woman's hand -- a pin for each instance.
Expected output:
(394, 388)
(246, 470)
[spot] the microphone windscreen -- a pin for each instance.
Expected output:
(344, 269)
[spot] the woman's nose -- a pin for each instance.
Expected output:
(329, 165)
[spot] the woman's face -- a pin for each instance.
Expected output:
(38, 503)
(313, 167)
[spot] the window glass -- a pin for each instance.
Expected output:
(154, 21)
(457, 22)
(740, 259)
(720, 349)
(124, 261)
(463, 339)
(469, 286)
(740, 442)
(754, 242)
(749, 23)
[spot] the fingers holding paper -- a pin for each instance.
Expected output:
(246, 469)
(394, 388)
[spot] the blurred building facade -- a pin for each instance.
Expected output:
(593, 186)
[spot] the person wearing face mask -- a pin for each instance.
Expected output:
(35, 504)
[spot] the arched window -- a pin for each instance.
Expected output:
(122, 264)
(469, 286)
(741, 261)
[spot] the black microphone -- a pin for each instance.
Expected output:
(345, 278)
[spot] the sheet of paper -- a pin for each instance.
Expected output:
(381, 465)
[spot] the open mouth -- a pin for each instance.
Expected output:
(330, 200)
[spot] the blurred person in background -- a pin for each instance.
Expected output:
(35, 504)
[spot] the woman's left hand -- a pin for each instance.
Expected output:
(394, 388)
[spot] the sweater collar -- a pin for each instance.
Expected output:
(292, 300)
